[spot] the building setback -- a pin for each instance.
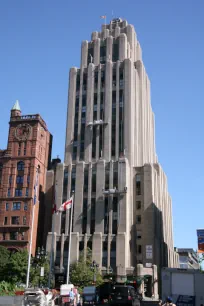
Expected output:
(29, 147)
(122, 208)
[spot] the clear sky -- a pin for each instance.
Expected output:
(40, 40)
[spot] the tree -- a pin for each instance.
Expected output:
(35, 277)
(81, 273)
(17, 267)
(4, 255)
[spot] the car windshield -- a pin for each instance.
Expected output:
(89, 297)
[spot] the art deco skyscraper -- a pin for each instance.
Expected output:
(122, 208)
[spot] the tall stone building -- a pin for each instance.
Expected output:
(122, 209)
(29, 148)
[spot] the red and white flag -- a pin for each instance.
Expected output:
(103, 17)
(66, 205)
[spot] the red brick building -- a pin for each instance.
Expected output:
(29, 147)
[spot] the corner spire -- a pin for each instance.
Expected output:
(16, 106)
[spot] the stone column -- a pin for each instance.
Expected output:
(108, 112)
(100, 183)
(74, 248)
(122, 47)
(97, 248)
(155, 281)
(97, 44)
(84, 53)
(70, 115)
(109, 48)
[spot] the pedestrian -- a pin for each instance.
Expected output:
(160, 303)
(169, 302)
(71, 295)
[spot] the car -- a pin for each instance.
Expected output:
(123, 295)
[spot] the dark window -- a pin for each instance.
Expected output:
(121, 78)
(25, 206)
(115, 216)
(81, 246)
(94, 143)
(20, 166)
(1, 171)
(7, 206)
(10, 180)
(114, 80)
(86, 179)
(139, 249)
(115, 55)
(24, 150)
(14, 236)
(17, 206)
(105, 254)
(19, 149)
(138, 204)
(106, 216)
(65, 184)
(63, 222)
(4, 236)
(78, 82)
(93, 215)
(89, 245)
(93, 179)
(74, 154)
(121, 123)
(9, 192)
(107, 176)
(139, 234)
(5, 220)
(96, 79)
(82, 150)
(27, 192)
(28, 179)
(102, 79)
(24, 220)
(19, 179)
(138, 219)
(101, 140)
(73, 179)
(113, 255)
(84, 219)
(14, 220)
(115, 175)
(138, 185)
(103, 54)
(90, 55)
(18, 193)
(113, 123)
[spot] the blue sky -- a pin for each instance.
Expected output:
(40, 41)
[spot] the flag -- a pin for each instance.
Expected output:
(66, 205)
(35, 187)
(103, 17)
(54, 207)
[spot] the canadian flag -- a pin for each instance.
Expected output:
(66, 205)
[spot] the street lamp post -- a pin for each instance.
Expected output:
(94, 266)
(39, 260)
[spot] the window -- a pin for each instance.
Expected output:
(5, 220)
(114, 80)
(115, 55)
(103, 54)
(139, 249)
(86, 179)
(14, 220)
(19, 149)
(73, 179)
(24, 220)
(14, 236)
(90, 55)
(138, 219)
(84, 219)
(115, 175)
(24, 150)
(138, 204)
(106, 216)
(115, 216)
(113, 255)
(9, 192)
(7, 206)
(22, 235)
(94, 143)
(102, 79)
(20, 166)
(94, 179)
(107, 176)
(78, 82)
(81, 246)
(16, 205)
(105, 254)
(4, 236)
(28, 179)
(25, 206)
(19, 179)
(138, 184)
(1, 171)
(93, 215)
(65, 184)
(10, 180)
(27, 192)
(139, 234)
(18, 193)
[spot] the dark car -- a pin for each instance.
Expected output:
(123, 295)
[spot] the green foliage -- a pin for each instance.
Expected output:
(35, 277)
(17, 267)
(81, 273)
(7, 288)
(4, 255)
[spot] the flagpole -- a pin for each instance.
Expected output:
(31, 238)
(70, 239)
